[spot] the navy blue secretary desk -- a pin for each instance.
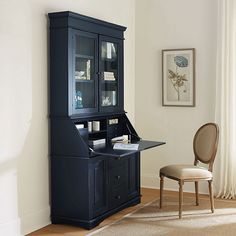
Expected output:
(89, 182)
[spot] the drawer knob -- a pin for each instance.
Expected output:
(118, 197)
(118, 177)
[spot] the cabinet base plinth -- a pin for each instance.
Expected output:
(89, 224)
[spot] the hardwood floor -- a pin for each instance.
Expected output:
(148, 195)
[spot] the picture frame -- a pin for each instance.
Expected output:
(178, 77)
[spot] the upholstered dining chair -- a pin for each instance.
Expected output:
(205, 144)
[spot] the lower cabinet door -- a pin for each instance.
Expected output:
(113, 182)
(133, 175)
(98, 186)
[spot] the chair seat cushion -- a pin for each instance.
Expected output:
(185, 172)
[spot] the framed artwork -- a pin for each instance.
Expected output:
(178, 77)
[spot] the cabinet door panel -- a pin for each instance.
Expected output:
(111, 74)
(84, 72)
(133, 175)
(98, 176)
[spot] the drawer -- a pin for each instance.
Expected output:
(117, 176)
(117, 161)
(118, 196)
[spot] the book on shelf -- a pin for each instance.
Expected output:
(108, 73)
(97, 142)
(79, 126)
(98, 146)
(88, 69)
(124, 146)
(109, 76)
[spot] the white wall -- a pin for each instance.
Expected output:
(171, 24)
(24, 152)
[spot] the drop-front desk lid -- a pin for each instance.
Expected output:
(109, 151)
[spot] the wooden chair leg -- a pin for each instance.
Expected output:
(196, 192)
(161, 189)
(180, 198)
(211, 195)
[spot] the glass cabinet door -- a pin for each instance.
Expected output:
(85, 76)
(110, 74)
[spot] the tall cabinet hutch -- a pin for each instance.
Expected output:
(90, 180)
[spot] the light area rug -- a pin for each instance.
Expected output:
(197, 220)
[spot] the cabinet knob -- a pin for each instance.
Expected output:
(118, 177)
(118, 197)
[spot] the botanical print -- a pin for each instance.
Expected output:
(178, 77)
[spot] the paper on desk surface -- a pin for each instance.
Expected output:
(129, 146)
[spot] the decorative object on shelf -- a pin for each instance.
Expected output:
(80, 75)
(178, 77)
(108, 51)
(109, 98)
(106, 101)
(90, 126)
(96, 125)
(113, 98)
(113, 121)
(78, 99)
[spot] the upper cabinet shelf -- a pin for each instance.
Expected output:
(83, 81)
(109, 82)
(84, 56)
(87, 65)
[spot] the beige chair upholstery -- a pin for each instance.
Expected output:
(204, 146)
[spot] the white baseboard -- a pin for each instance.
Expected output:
(11, 228)
(35, 220)
(153, 181)
(150, 181)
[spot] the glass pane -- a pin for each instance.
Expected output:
(84, 69)
(85, 46)
(84, 74)
(109, 74)
(109, 61)
(84, 97)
